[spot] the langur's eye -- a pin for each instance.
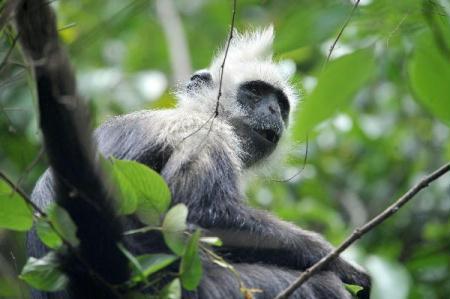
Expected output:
(254, 91)
(198, 80)
(203, 76)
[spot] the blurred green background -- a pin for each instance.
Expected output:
(372, 147)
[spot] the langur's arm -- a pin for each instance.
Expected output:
(282, 243)
(215, 203)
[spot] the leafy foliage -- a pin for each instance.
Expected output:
(62, 224)
(43, 273)
(14, 212)
(429, 75)
(191, 267)
(47, 234)
(143, 190)
(334, 91)
(152, 263)
(379, 120)
(173, 227)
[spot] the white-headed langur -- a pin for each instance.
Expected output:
(203, 161)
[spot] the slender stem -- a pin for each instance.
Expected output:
(8, 54)
(359, 232)
(142, 230)
(222, 66)
(338, 37)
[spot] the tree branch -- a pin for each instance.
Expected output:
(359, 232)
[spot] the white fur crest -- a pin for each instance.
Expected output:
(248, 46)
(249, 58)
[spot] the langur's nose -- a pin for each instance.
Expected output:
(273, 109)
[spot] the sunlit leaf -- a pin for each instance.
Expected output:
(128, 199)
(354, 289)
(429, 73)
(336, 87)
(63, 224)
(152, 192)
(172, 290)
(133, 261)
(173, 228)
(43, 274)
(47, 234)
(191, 266)
(15, 214)
(314, 23)
(151, 263)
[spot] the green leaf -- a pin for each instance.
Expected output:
(151, 263)
(47, 234)
(353, 289)
(214, 241)
(171, 291)
(336, 87)
(173, 228)
(128, 196)
(9, 287)
(145, 265)
(63, 224)
(191, 266)
(153, 194)
(15, 214)
(133, 261)
(429, 74)
(43, 274)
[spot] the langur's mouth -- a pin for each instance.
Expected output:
(269, 135)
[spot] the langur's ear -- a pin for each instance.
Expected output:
(198, 80)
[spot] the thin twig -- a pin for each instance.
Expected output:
(222, 66)
(338, 37)
(12, 79)
(300, 170)
(198, 129)
(142, 230)
(68, 26)
(30, 167)
(11, 127)
(397, 28)
(6, 12)
(22, 193)
(359, 232)
(8, 54)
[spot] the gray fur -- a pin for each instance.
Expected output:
(203, 162)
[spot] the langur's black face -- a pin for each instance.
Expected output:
(263, 115)
(266, 111)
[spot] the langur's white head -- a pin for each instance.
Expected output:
(256, 97)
